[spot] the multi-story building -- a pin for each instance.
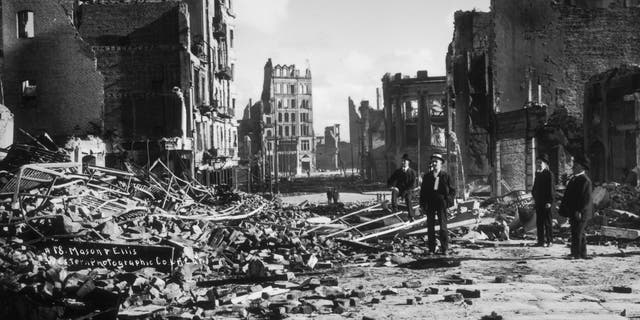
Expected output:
(288, 119)
(327, 149)
(555, 77)
(416, 119)
(152, 80)
(367, 134)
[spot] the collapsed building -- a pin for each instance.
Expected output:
(367, 134)
(328, 151)
(151, 80)
(555, 77)
(417, 121)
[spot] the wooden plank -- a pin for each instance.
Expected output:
(399, 227)
(620, 233)
(449, 226)
(367, 209)
(364, 224)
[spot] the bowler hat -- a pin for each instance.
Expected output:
(405, 157)
(583, 161)
(437, 156)
(544, 158)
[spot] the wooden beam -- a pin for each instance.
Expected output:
(367, 209)
(399, 227)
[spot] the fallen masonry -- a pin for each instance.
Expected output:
(138, 243)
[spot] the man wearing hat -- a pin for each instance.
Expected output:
(402, 183)
(543, 193)
(436, 195)
(577, 205)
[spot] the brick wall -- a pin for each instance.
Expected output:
(139, 52)
(562, 46)
(69, 88)
(130, 24)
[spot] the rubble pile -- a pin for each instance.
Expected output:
(104, 242)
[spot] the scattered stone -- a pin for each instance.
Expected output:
(622, 289)
(410, 301)
(454, 297)
(469, 293)
(412, 284)
(389, 291)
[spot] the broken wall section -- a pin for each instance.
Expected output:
(49, 73)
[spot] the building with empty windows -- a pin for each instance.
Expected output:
(416, 120)
(152, 79)
(288, 120)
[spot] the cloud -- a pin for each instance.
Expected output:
(264, 16)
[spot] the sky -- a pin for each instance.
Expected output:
(348, 45)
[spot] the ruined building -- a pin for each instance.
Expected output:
(152, 79)
(287, 111)
(327, 149)
(367, 134)
(416, 120)
(545, 76)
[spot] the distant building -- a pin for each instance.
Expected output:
(288, 119)
(327, 151)
(367, 134)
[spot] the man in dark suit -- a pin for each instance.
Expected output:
(436, 195)
(577, 205)
(402, 183)
(543, 193)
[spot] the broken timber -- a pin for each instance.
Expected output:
(393, 215)
(367, 209)
(620, 233)
(214, 218)
(395, 229)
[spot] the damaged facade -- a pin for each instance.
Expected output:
(367, 134)
(522, 76)
(327, 149)
(287, 117)
(416, 120)
(152, 80)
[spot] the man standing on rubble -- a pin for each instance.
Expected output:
(436, 195)
(402, 183)
(577, 205)
(543, 193)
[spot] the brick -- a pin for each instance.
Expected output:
(329, 281)
(622, 289)
(469, 293)
(358, 294)
(454, 297)
(412, 284)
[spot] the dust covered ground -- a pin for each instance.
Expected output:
(537, 283)
(513, 279)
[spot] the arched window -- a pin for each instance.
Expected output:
(286, 117)
(279, 117)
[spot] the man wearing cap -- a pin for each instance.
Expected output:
(402, 183)
(543, 197)
(577, 205)
(436, 195)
